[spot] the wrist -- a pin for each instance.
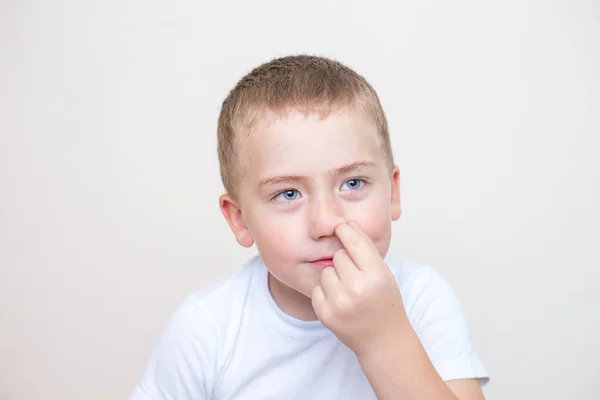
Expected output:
(391, 343)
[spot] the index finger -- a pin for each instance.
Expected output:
(359, 246)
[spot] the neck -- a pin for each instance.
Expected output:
(291, 302)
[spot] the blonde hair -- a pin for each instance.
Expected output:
(309, 84)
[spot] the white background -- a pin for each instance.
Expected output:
(109, 177)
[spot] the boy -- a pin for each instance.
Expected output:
(322, 312)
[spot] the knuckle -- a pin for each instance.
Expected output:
(376, 283)
(343, 303)
(357, 288)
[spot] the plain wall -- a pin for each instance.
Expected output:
(109, 180)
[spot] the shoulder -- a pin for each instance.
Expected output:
(190, 346)
(223, 296)
(211, 304)
(222, 304)
(422, 286)
(428, 297)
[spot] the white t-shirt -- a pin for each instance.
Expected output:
(231, 341)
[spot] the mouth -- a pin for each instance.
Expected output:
(323, 262)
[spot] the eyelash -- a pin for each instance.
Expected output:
(363, 179)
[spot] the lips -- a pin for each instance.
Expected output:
(323, 262)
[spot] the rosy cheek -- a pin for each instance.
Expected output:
(378, 229)
(280, 246)
(276, 242)
(373, 229)
(369, 217)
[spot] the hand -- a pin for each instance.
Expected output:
(359, 299)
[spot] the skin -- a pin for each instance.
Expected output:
(299, 202)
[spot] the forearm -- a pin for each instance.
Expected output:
(399, 368)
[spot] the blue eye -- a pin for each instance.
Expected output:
(289, 195)
(352, 184)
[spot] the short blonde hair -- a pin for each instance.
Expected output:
(309, 84)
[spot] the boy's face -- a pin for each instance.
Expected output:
(301, 177)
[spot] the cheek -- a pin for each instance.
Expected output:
(276, 238)
(375, 221)
(379, 230)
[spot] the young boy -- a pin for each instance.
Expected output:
(322, 312)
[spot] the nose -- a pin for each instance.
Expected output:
(325, 213)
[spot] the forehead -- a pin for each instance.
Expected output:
(299, 144)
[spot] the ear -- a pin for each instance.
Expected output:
(396, 205)
(233, 215)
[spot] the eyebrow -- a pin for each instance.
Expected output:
(346, 169)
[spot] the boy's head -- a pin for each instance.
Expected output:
(311, 85)
(303, 146)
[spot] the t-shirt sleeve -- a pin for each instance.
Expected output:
(181, 365)
(439, 320)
